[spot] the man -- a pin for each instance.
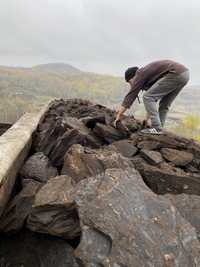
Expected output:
(162, 81)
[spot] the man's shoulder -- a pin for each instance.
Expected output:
(162, 62)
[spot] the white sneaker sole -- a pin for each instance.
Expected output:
(154, 133)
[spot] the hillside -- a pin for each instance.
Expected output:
(23, 88)
(58, 68)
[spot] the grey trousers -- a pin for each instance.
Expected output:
(165, 91)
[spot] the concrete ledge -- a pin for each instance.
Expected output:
(15, 144)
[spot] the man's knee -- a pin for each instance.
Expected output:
(164, 106)
(148, 98)
(145, 98)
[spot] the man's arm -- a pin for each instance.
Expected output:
(137, 85)
(130, 97)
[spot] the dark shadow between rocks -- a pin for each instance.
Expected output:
(91, 122)
(74, 242)
(30, 249)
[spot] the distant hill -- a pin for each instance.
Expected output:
(59, 68)
(23, 88)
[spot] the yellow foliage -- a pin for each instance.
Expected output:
(189, 127)
(191, 122)
(197, 137)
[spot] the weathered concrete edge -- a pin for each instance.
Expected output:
(15, 144)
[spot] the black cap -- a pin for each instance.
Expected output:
(130, 73)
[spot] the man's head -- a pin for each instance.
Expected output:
(130, 73)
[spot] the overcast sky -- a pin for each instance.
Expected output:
(104, 36)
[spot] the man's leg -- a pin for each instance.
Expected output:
(159, 90)
(167, 100)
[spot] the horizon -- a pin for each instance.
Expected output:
(82, 70)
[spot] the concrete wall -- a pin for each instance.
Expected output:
(15, 144)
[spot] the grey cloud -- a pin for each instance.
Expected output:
(100, 35)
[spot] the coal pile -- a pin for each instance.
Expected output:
(96, 196)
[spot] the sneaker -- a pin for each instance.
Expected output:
(152, 131)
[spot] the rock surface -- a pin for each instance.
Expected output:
(38, 167)
(53, 212)
(152, 157)
(108, 134)
(165, 178)
(81, 162)
(178, 157)
(125, 224)
(18, 209)
(126, 148)
(189, 208)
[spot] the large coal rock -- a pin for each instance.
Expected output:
(178, 157)
(189, 208)
(48, 133)
(69, 138)
(125, 224)
(167, 140)
(63, 144)
(153, 157)
(53, 212)
(39, 168)
(165, 178)
(89, 138)
(82, 162)
(35, 250)
(18, 209)
(132, 124)
(126, 148)
(108, 133)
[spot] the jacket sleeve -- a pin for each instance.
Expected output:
(133, 93)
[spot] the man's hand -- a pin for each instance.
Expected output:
(119, 115)
(115, 122)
